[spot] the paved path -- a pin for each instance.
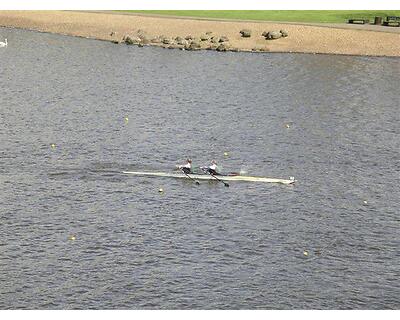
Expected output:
(370, 27)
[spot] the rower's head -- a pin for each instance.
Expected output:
(213, 162)
(188, 160)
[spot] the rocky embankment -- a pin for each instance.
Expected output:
(206, 41)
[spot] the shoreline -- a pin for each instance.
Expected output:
(243, 51)
(151, 30)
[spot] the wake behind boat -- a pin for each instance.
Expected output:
(228, 177)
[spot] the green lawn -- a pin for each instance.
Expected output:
(328, 16)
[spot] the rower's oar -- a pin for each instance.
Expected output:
(196, 181)
(207, 172)
(225, 184)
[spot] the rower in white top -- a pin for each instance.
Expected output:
(187, 167)
(212, 169)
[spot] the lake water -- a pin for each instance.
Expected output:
(331, 241)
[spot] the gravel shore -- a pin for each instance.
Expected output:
(301, 38)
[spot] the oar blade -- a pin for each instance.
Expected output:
(196, 181)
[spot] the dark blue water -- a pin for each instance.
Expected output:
(206, 246)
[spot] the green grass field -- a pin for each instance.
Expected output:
(321, 16)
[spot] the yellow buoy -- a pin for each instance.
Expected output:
(305, 253)
(226, 154)
(126, 119)
(161, 190)
(72, 238)
(287, 125)
(53, 146)
(365, 201)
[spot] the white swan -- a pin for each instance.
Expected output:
(3, 44)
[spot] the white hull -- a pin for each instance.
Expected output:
(209, 177)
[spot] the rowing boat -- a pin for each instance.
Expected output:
(209, 177)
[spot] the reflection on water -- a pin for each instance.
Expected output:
(206, 246)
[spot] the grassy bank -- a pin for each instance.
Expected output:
(318, 16)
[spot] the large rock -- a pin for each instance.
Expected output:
(223, 39)
(194, 45)
(189, 37)
(144, 40)
(156, 40)
(214, 39)
(141, 33)
(212, 46)
(131, 40)
(246, 33)
(273, 35)
(180, 41)
(223, 47)
(204, 37)
(143, 36)
(284, 33)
